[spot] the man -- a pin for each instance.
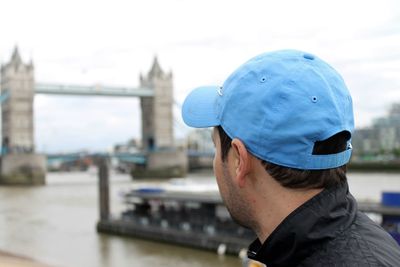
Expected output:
(282, 127)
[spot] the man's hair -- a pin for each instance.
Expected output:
(296, 178)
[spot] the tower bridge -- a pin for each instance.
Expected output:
(19, 162)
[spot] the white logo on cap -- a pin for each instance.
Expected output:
(220, 91)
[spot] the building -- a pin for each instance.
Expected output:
(200, 149)
(383, 137)
(199, 140)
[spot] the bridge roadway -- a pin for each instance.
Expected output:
(81, 90)
(95, 90)
(138, 157)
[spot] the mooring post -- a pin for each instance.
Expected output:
(104, 189)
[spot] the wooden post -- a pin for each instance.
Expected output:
(104, 189)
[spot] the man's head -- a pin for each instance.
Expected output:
(289, 109)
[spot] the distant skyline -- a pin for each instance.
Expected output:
(201, 42)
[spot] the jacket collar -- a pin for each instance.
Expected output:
(319, 219)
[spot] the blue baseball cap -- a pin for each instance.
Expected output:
(278, 104)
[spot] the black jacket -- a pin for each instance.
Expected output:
(327, 230)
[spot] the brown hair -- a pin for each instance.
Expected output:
(297, 178)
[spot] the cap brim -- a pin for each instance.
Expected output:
(200, 108)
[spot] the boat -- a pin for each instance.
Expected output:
(192, 216)
(388, 211)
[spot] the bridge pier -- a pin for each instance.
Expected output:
(163, 164)
(23, 169)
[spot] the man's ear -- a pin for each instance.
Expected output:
(242, 161)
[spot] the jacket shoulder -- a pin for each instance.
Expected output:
(364, 243)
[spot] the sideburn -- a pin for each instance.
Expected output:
(225, 143)
(238, 209)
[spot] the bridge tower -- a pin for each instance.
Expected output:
(19, 164)
(163, 158)
(157, 117)
(17, 79)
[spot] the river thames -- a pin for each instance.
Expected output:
(56, 223)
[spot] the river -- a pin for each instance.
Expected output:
(56, 223)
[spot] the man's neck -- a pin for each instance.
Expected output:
(275, 204)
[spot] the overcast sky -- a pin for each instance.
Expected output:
(202, 42)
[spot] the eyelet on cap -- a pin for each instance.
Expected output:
(308, 56)
(314, 99)
(219, 91)
(263, 79)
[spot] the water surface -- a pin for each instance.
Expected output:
(56, 223)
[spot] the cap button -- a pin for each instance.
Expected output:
(308, 56)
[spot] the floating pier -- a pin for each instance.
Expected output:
(194, 219)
